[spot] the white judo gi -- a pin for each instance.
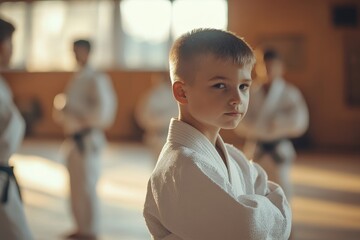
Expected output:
(13, 224)
(153, 113)
(192, 195)
(270, 121)
(90, 108)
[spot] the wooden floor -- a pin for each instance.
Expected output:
(326, 203)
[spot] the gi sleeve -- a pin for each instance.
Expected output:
(272, 191)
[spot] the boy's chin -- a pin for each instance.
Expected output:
(231, 126)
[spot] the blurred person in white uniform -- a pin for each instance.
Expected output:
(277, 112)
(13, 224)
(154, 112)
(87, 107)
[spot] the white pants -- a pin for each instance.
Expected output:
(84, 171)
(13, 223)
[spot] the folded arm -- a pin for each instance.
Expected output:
(194, 207)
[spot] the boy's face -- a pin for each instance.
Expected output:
(218, 96)
(81, 55)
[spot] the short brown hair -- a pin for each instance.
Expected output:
(222, 44)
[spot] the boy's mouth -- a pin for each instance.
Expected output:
(235, 113)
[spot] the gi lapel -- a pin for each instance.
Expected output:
(188, 136)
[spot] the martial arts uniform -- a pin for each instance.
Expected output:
(90, 108)
(272, 118)
(13, 224)
(153, 113)
(193, 195)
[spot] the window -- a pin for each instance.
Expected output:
(59, 23)
(146, 29)
(44, 43)
(128, 34)
(146, 46)
(189, 14)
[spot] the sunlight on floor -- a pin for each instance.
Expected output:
(325, 213)
(121, 188)
(327, 200)
(327, 179)
(322, 212)
(40, 174)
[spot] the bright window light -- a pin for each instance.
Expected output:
(131, 34)
(146, 33)
(48, 21)
(56, 24)
(150, 26)
(146, 20)
(190, 14)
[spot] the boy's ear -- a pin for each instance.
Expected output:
(179, 92)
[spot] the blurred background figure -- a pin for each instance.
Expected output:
(13, 224)
(277, 112)
(85, 110)
(154, 111)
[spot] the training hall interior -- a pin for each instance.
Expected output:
(319, 41)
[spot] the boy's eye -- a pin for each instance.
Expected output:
(219, 86)
(244, 86)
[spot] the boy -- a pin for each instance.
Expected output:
(202, 188)
(277, 112)
(89, 108)
(13, 224)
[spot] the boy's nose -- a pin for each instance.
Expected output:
(235, 98)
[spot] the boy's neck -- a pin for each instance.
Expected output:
(212, 136)
(209, 133)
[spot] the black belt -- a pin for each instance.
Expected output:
(270, 148)
(79, 138)
(9, 170)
